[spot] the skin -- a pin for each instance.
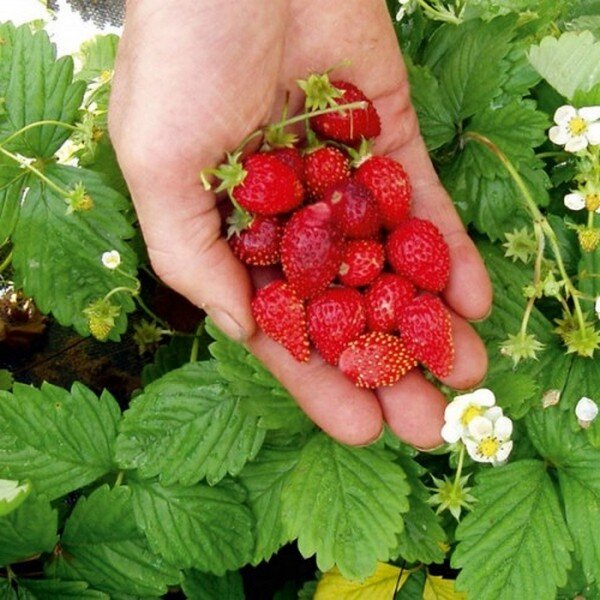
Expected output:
(193, 78)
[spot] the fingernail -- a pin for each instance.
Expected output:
(487, 314)
(227, 324)
(374, 440)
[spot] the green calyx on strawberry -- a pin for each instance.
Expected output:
(258, 244)
(281, 315)
(376, 359)
(319, 92)
(335, 317)
(426, 330)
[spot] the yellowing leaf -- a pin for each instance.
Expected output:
(438, 588)
(380, 586)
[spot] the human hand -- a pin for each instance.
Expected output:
(192, 80)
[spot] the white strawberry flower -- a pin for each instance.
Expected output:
(462, 410)
(576, 129)
(597, 307)
(111, 260)
(579, 200)
(406, 7)
(488, 437)
(586, 411)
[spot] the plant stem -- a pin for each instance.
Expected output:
(6, 262)
(196, 343)
(538, 218)
(121, 288)
(537, 275)
(152, 315)
(21, 131)
(119, 479)
(459, 468)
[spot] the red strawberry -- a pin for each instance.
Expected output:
(348, 126)
(426, 329)
(417, 250)
(335, 318)
(258, 244)
(388, 294)
(292, 158)
(354, 209)
(281, 315)
(311, 250)
(376, 359)
(390, 185)
(362, 262)
(270, 187)
(323, 168)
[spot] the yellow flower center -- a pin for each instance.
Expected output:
(488, 446)
(577, 126)
(592, 202)
(470, 414)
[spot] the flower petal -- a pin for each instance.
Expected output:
(559, 135)
(597, 307)
(493, 413)
(452, 432)
(586, 409)
(575, 201)
(590, 113)
(593, 134)
(575, 144)
(503, 451)
(564, 114)
(484, 397)
(503, 428)
(454, 411)
(472, 447)
(480, 427)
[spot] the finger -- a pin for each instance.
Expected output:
(347, 413)
(470, 356)
(414, 410)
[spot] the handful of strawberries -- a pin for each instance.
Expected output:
(359, 276)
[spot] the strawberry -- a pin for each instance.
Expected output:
(335, 318)
(390, 185)
(311, 250)
(258, 244)
(323, 168)
(270, 187)
(348, 126)
(426, 329)
(388, 294)
(354, 209)
(417, 250)
(292, 158)
(376, 359)
(281, 315)
(362, 262)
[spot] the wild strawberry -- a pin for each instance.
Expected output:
(417, 250)
(270, 187)
(354, 209)
(348, 126)
(281, 315)
(388, 294)
(292, 158)
(426, 329)
(323, 168)
(335, 318)
(362, 262)
(390, 185)
(258, 244)
(376, 359)
(311, 250)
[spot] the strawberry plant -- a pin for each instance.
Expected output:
(209, 472)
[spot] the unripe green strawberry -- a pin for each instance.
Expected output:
(417, 250)
(376, 359)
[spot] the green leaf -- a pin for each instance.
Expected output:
(413, 588)
(9, 206)
(455, 55)
(167, 358)
(97, 55)
(262, 395)
(569, 63)
(514, 544)
(204, 586)
(423, 538)
(345, 504)
(579, 477)
(435, 121)
(59, 440)
(208, 528)
(53, 589)
(39, 88)
(28, 530)
(516, 393)
(102, 545)
(264, 478)
(188, 426)
(6, 380)
(57, 256)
